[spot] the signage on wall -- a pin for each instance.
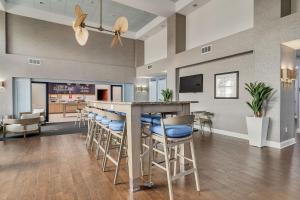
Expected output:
(71, 88)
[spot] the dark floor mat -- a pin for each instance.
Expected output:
(53, 129)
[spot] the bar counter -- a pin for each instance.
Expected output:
(133, 112)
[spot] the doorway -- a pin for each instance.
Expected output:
(116, 93)
(39, 97)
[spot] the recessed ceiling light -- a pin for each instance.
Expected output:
(42, 2)
(195, 5)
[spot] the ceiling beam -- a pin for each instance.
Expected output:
(157, 7)
(151, 28)
(181, 4)
(2, 5)
(53, 17)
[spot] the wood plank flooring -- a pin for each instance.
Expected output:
(60, 167)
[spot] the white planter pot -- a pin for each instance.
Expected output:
(257, 130)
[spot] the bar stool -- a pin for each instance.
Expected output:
(91, 126)
(97, 135)
(103, 122)
(173, 132)
(147, 120)
(116, 133)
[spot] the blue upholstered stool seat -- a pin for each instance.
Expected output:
(156, 121)
(173, 131)
(105, 121)
(149, 118)
(91, 115)
(99, 118)
(116, 125)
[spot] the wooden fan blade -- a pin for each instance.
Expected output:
(120, 40)
(121, 25)
(114, 41)
(79, 20)
(78, 11)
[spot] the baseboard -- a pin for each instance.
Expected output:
(272, 144)
(287, 143)
(227, 133)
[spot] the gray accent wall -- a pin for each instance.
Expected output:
(176, 28)
(229, 113)
(2, 33)
(28, 36)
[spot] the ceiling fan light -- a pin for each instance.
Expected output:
(82, 36)
(73, 26)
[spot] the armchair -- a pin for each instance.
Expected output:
(37, 111)
(24, 126)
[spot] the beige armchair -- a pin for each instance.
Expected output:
(37, 111)
(24, 126)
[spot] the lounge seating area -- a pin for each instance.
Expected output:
(149, 100)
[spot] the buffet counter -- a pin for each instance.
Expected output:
(62, 107)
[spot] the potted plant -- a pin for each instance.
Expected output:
(167, 95)
(257, 125)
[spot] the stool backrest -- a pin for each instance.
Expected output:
(179, 120)
(101, 112)
(115, 117)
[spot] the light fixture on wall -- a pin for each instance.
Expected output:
(2, 84)
(141, 88)
(288, 75)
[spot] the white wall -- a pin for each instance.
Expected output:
(38, 97)
(218, 19)
(156, 46)
(295, 6)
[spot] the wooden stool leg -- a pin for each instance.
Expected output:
(150, 159)
(169, 177)
(99, 143)
(195, 165)
(119, 158)
(109, 138)
(175, 162)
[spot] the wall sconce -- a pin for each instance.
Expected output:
(141, 88)
(288, 75)
(2, 84)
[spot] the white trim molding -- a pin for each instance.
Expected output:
(227, 133)
(272, 144)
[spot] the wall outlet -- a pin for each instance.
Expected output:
(286, 129)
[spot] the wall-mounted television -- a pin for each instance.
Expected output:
(190, 84)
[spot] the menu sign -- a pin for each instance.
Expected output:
(71, 88)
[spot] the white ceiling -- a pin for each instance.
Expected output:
(111, 10)
(144, 16)
(295, 44)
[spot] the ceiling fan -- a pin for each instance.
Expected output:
(80, 27)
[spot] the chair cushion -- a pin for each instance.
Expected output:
(156, 121)
(91, 115)
(146, 119)
(105, 121)
(19, 128)
(38, 110)
(99, 118)
(30, 116)
(116, 125)
(173, 131)
(149, 118)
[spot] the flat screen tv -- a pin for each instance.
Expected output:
(190, 84)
